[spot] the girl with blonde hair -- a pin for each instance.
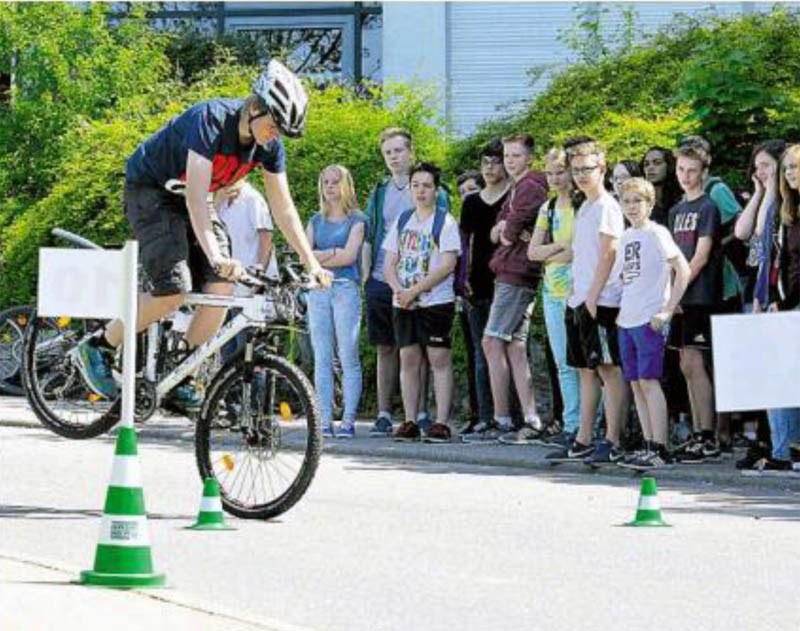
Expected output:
(336, 234)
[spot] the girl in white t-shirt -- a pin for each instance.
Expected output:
(646, 259)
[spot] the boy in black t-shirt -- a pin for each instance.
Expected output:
(695, 225)
(478, 217)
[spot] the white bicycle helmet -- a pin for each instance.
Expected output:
(283, 98)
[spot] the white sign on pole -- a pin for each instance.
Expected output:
(95, 284)
(81, 283)
(756, 361)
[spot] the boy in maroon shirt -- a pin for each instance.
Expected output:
(516, 279)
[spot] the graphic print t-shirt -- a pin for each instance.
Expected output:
(643, 264)
(211, 129)
(688, 222)
(558, 276)
(418, 255)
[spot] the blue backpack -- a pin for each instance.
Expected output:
(439, 217)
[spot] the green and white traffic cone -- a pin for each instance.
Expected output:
(649, 511)
(210, 516)
(123, 553)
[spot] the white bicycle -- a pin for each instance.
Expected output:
(258, 431)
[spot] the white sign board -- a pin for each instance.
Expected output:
(95, 284)
(81, 283)
(756, 361)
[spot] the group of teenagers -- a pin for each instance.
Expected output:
(632, 260)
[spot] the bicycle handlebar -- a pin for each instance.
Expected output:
(81, 242)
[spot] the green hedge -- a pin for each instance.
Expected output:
(733, 80)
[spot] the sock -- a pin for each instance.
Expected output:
(503, 422)
(533, 420)
(708, 434)
(422, 416)
(385, 414)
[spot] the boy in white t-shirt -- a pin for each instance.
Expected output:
(419, 269)
(646, 258)
(246, 216)
(592, 308)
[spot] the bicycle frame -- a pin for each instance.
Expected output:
(254, 315)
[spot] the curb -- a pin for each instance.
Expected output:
(530, 458)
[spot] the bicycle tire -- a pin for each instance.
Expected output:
(13, 322)
(43, 368)
(218, 426)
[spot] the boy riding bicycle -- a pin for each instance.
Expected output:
(211, 145)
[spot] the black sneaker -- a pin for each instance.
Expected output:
(483, 433)
(769, 465)
(525, 435)
(548, 433)
(645, 450)
(711, 450)
(382, 427)
(605, 453)
(576, 452)
(562, 439)
(693, 454)
(680, 448)
(649, 461)
(754, 454)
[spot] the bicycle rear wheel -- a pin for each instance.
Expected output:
(264, 460)
(53, 384)
(13, 322)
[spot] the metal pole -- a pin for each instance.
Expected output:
(129, 306)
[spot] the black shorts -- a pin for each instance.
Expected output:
(168, 248)
(691, 328)
(592, 343)
(380, 325)
(426, 326)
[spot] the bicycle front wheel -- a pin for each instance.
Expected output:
(13, 322)
(53, 384)
(260, 436)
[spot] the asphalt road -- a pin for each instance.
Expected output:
(381, 543)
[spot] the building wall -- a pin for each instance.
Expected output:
(415, 44)
(490, 47)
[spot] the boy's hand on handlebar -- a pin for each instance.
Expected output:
(229, 269)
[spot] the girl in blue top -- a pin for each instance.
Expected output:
(336, 233)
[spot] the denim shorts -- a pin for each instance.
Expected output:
(642, 351)
(510, 314)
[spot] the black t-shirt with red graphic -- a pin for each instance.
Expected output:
(211, 129)
(688, 221)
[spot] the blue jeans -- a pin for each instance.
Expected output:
(334, 322)
(478, 314)
(784, 429)
(554, 310)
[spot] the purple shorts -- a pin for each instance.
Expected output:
(642, 351)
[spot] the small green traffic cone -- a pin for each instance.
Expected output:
(649, 511)
(123, 552)
(210, 516)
